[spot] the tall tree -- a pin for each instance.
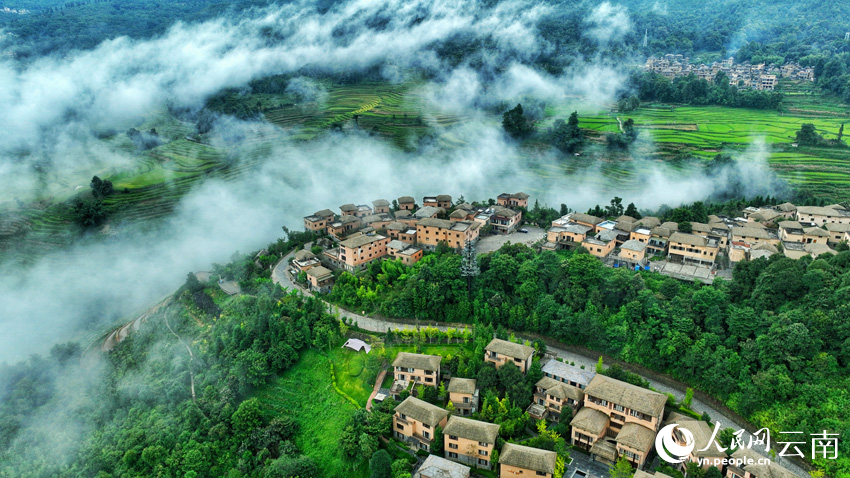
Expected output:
(515, 123)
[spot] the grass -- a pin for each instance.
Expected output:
(351, 374)
(305, 393)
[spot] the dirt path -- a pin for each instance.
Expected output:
(378, 382)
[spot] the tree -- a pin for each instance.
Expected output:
(192, 283)
(380, 465)
(599, 367)
(808, 136)
(712, 472)
(685, 226)
(622, 469)
(469, 265)
(689, 397)
(437, 442)
(567, 137)
(487, 377)
(401, 469)
(515, 123)
(101, 188)
(631, 210)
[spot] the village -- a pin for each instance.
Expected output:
(403, 230)
(741, 75)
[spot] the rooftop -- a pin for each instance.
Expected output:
(636, 436)
(510, 349)
(420, 361)
(472, 429)
(633, 245)
(628, 395)
(437, 467)
(406, 200)
(462, 385)
(692, 239)
(528, 458)
(590, 420)
(427, 211)
(361, 240)
(585, 218)
(568, 372)
(320, 272)
(380, 203)
(421, 411)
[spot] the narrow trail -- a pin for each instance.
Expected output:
(378, 382)
(191, 358)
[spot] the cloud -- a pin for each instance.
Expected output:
(609, 23)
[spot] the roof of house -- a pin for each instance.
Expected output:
(636, 436)
(465, 206)
(643, 474)
(458, 214)
(607, 235)
(661, 231)
(627, 395)
(819, 211)
(420, 361)
(700, 227)
(568, 372)
(461, 385)
(790, 225)
(325, 213)
(361, 240)
(560, 390)
(625, 218)
(835, 227)
(701, 431)
(422, 411)
(402, 213)
(406, 200)
(371, 218)
(319, 272)
(816, 231)
(771, 470)
(755, 232)
(817, 249)
(396, 226)
(590, 420)
(649, 221)
(685, 238)
(577, 228)
(348, 207)
(765, 215)
(765, 246)
(304, 254)
(786, 207)
(528, 458)
(347, 219)
(427, 211)
(443, 197)
(503, 347)
(397, 245)
(519, 195)
(438, 467)
(380, 203)
(586, 218)
(503, 211)
(434, 222)
(472, 429)
(633, 245)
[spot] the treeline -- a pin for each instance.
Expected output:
(694, 91)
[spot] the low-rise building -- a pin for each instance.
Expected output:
(463, 393)
(658, 238)
(601, 244)
(633, 251)
(833, 214)
(406, 203)
(318, 223)
(568, 374)
(438, 467)
(499, 352)
(415, 422)
(321, 279)
(617, 419)
(428, 211)
(515, 200)
(692, 248)
(348, 209)
(752, 235)
(459, 215)
(837, 233)
(793, 231)
(406, 253)
(441, 200)
(305, 260)
(524, 461)
(556, 398)
(797, 250)
(408, 236)
(381, 206)
(505, 220)
(585, 220)
(345, 225)
(568, 236)
(702, 454)
(470, 441)
(430, 232)
(417, 368)
(358, 252)
(754, 465)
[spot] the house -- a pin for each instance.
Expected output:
(406, 253)
(751, 235)
(585, 220)
(417, 368)
(463, 393)
(438, 467)
(658, 237)
(515, 200)
(428, 211)
(692, 248)
(376, 221)
(837, 233)
(645, 474)
(305, 260)
(568, 236)
(787, 210)
(755, 466)
(317, 223)
(765, 216)
(568, 374)
(762, 249)
(640, 233)
(633, 251)
(441, 200)
(343, 226)
(381, 206)
(793, 231)
(321, 279)
(407, 203)
(796, 250)
(500, 352)
(408, 236)
(348, 209)
(459, 215)
(524, 461)
(504, 220)
(470, 441)
(702, 433)
(358, 252)
(555, 396)
(415, 422)
(430, 232)
(617, 419)
(601, 244)
(833, 214)
(362, 210)
(394, 228)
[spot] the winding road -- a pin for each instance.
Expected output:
(280, 276)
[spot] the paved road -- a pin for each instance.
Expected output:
(279, 276)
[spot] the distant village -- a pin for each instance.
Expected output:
(361, 234)
(742, 75)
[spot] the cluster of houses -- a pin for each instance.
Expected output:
(761, 232)
(363, 234)
(741, 75)
(609, 419)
